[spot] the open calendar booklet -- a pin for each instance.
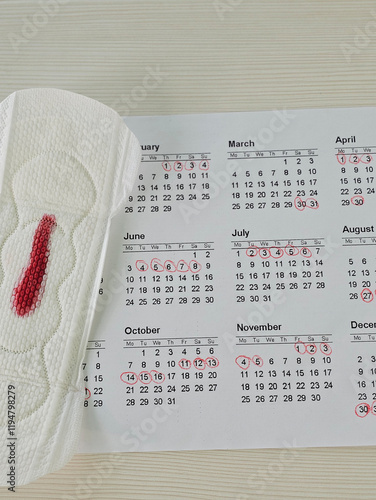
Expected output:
(237, 307)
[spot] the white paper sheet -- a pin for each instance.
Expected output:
(237, 308)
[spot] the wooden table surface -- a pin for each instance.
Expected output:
(217, 55)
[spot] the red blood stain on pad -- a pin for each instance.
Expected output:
(29, 290)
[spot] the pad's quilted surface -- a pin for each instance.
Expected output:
(67, 162)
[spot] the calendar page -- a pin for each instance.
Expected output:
(237, 306)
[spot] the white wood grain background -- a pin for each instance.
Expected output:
(217, 55)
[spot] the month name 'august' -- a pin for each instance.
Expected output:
(358, 229)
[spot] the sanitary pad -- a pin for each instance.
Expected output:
(66, 165)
